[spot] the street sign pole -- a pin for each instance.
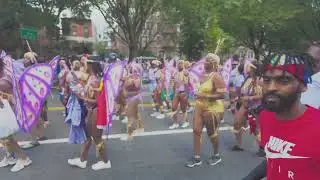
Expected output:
(29, 47)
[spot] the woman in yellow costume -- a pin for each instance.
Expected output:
(248, 107)
(209, 110)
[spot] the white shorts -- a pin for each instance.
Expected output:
(8, 121)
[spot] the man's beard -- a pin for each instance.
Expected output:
(282, 103)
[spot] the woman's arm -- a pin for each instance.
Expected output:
(218, 89)
(254, 98)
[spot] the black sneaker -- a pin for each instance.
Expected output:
(214, 160)
(236, 148)
(261, 153)
(193, 162)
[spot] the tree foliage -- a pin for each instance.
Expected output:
(129, 21)
(54, 8)
(262, 25)
(198, 21)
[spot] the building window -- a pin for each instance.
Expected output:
(74, 29)
(86, 30)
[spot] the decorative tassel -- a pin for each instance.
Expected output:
(99, 148)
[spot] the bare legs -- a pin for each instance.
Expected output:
(211, 120)
(181, 99)
(204, 118)
(94, 135)
(12, 147)
(239, 122)
(132, 113)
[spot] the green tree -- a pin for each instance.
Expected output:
(101, 48)
(54, 8)
(13, 15)
(129, 21)
(192, 18)
(260, 25)
(198, 21)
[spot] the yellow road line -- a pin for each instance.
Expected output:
(61, 108)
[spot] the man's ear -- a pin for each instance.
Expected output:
(303, 87)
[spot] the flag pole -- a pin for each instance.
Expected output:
(29, 47)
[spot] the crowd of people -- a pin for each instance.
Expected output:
(274, 98)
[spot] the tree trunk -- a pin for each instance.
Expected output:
(133, 51)
(257, 53)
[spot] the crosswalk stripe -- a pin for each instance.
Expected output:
(118, 136)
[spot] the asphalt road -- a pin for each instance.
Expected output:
(157, 154)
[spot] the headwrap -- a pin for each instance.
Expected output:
(30, 57)
(213, 57)
(136, 68)
(156, 62)
(187, 64)
(295, 65)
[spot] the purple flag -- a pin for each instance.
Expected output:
(226, 71)
(2, 54)
(54, 63)
(113, 83)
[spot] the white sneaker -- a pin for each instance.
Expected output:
(101, 165)
(161, 116)
(155, 114)
(165, 110)
(12, 160)
(174, 126)
(125, 120)
(190, 110)
(21, 164)
(185, 125)
(77, 162)
(115, 118)
(222, 121)
(154, 109)
(6, 161)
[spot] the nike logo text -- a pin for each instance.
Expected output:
(280, 148)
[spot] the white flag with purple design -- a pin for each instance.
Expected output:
(226, 72)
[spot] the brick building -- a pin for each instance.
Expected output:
(79, 33)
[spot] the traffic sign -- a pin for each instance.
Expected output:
(29, 33)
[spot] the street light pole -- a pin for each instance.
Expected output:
(201, 48)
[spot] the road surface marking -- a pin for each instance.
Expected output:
(118, 136)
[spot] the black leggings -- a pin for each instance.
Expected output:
(258, 173)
